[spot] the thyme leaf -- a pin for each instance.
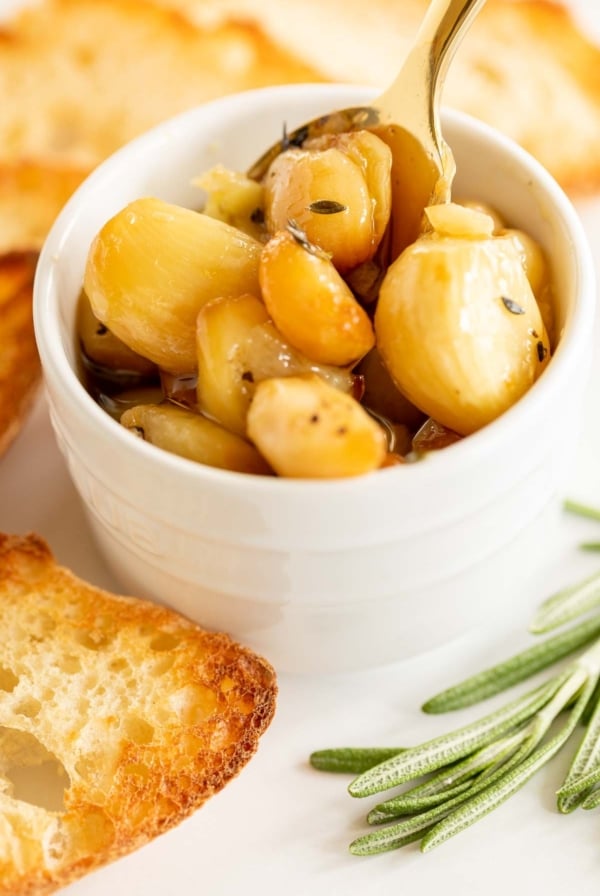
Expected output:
(512, 306)
(301, 238)
(327, 207)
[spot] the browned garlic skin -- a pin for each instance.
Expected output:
(311, 305)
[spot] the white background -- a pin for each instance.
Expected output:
(281, 827)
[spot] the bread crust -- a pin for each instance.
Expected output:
(147, 714)
(20, 372)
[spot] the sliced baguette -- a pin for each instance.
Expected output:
(113, 69)
(20, 372)
(525, 66)
(143, 714)
(81, 77)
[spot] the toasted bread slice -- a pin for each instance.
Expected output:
(118, 719)
(20, 372)
(31, 195)
(525, 66)
(113, 69)
(110, 71)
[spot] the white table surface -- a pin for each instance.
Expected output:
(282, 827)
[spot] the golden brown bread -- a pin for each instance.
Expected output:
(112, 70)
(31, 195)
(19, 362)
(118, 719)
(525, 66)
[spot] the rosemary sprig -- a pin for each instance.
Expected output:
(472, 770)
(510, 763)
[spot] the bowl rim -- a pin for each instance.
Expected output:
(56, 365)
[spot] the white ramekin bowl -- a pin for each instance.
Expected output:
(327, 575)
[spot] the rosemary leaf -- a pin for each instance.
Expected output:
(394, 836)
(591, 801)
(416, 761)
(590, 545)
(514, 670)
(586, 759)
(591, 706)
(580, 784)
(567, 604)
(408, 804)
(352, 760)
(592, 513)
(394, 839)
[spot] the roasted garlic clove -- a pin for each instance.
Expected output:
(382, 395)
(225, 386)
(154, 265)
(238, 347)
(266, 354)
(305, 428)
(536, 267)
(119, 402)
(478, 205)
(459, 328)
(310, 304)
(451, 219)
(101, 349)
(338, 192)
(233, 198)
(194, 437)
